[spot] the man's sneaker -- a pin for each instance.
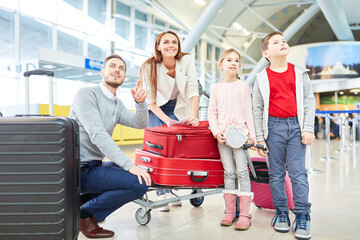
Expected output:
(302, 226)
(281, 221)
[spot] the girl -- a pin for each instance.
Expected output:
(170, 82)
(230, 104)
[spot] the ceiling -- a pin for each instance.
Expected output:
(259, 17)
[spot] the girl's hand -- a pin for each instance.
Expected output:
(254, 142)
(192, 121)
(220, 137)
(260, 151)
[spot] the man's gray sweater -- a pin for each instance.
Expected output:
(97, 116)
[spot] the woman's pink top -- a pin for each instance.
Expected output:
(230, 104)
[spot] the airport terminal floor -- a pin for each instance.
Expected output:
(334, 195)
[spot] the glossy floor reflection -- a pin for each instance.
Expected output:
(334, 194)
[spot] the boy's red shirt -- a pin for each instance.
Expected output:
(282, 102)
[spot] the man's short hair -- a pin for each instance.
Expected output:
(265, 41)
(113, 56)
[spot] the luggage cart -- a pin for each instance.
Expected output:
(196, 197)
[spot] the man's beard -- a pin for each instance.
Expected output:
(114, 85)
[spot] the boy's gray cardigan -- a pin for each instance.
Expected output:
(305, 102)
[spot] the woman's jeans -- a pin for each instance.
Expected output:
(154, 121)
(286, 152)
(235, 163)
(168, 109)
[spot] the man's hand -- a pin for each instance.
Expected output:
(138, 93)
(307, 138)
(220, 137)
(139, 172)
(260, 151)
(192, 121)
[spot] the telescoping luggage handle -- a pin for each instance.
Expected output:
(50, 74)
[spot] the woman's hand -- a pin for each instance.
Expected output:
(220, 137)
(192, 121)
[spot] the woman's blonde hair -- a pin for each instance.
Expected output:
(225, 53)
(153, 61)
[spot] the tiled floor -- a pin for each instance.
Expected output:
(334, 194)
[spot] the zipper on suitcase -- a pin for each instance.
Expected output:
(179, 137)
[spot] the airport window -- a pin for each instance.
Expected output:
(140, 15)
(70, 41)
(78, 4)
(209, 52)
(96, 48)
(140, 37)
(160, 23)
(175, 29)
(33, 34)
(122, 9)
(123, 28)
(41, 9)
(97, 10)
(7, 40)
(217, 53)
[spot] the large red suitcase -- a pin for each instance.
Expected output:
(260, 185)
(181, 172)
(181, 141)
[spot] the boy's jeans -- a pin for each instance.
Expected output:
(286, 152)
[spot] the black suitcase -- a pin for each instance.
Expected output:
(39, 178)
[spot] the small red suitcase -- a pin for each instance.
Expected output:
(260, 185)
(181, 141)
(181, 172)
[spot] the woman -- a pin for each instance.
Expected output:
(170, 82)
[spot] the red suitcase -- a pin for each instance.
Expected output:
(181, 141)
(261, 189)
(181, 172)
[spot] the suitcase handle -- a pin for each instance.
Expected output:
(146, 168)
(153, 145)
(194, 174)
(145, 159)
(38, 72)
(50, 75)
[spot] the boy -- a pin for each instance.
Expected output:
(284, 113)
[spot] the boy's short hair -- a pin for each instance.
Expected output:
(265, 41)
(114, 56)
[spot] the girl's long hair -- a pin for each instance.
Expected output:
(153, 61)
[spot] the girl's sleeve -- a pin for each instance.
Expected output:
(213, 111)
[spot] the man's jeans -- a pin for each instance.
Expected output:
(286, 152)
(113, 186)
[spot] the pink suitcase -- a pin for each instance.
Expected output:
(261, 189)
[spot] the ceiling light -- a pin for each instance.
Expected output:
(237, 26)
(341, 93)
(200, 2)
(49, 66)
(246, 32)
(355, 90)
(356, 93)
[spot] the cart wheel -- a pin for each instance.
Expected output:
(196, 202)
(142, 220)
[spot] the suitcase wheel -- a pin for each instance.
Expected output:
(196, 202)
(141, 217)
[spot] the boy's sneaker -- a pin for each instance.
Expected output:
(281, 221)
(302, 226)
